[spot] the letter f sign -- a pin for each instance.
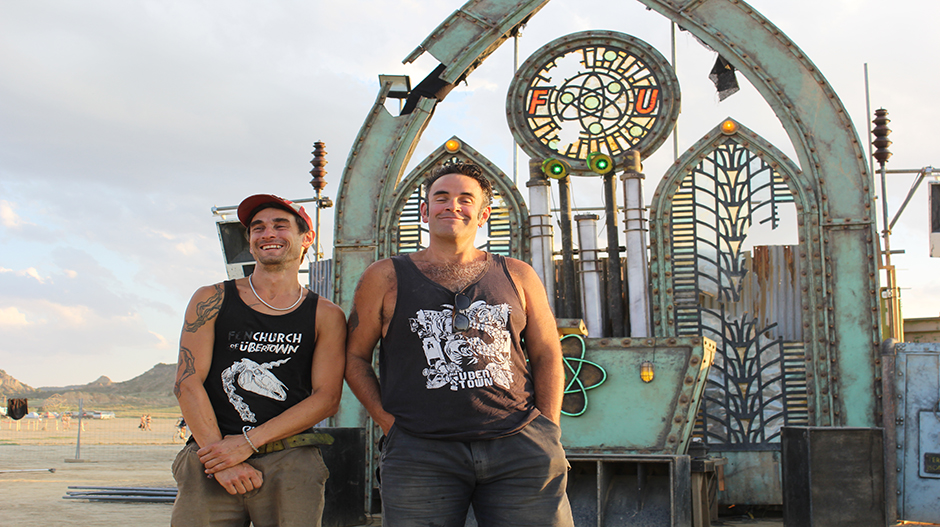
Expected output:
(539, 98)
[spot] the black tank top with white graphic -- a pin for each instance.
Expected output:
(260, 363)
(456, 385)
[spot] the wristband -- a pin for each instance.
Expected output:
(245, 433)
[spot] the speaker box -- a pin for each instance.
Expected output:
(833, 477)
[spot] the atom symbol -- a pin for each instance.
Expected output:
(596, 100)
(581, 375)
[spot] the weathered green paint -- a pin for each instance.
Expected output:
(473, 32)
(629, 416)
(373, 168)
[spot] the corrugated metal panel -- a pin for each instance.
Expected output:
(321, 278)
(770, 291)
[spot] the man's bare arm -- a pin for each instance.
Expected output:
(195, 358)
(364, 330)
(196, 341)
(329, 360)
(542, 343)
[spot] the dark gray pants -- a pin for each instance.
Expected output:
(514, 481)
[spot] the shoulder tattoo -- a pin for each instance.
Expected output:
(186, 367)
(206, 310)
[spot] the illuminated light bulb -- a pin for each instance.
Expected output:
(729, 127)
(452, 145)
(555, 168)
(600, 163)
(646, 371)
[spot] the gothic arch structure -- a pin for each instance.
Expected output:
(505, 229)
(704, 281)
(843, 271)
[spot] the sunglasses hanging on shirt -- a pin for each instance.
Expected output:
(461, 322)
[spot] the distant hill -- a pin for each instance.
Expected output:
(12, 387)
(152, 388)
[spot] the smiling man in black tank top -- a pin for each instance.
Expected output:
(468, 421)
(261, 361)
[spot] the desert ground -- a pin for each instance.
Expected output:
(114, 453)
(33, 496)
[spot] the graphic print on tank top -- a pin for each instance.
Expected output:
(257, 377)
(465, 360)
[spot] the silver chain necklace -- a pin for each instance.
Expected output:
(299, 298)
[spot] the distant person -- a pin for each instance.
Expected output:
(147, 423)
(143, 422)
(467, 419)
(66, 421)
(261, 361)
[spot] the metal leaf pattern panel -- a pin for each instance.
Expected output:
(724, 293)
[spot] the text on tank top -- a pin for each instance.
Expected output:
(261, 364)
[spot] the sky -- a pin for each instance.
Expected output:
(123, 123)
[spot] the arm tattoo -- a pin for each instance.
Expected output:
(186, 368)
(353, 321)
(206, 311)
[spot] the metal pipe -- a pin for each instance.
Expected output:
(637, 267)
(78, 439)
(871, 158)
(218, 211)
(567, 253)
(614, 270)
(592, 306)
(924, 172)
(675, 129)
(889, 415)
(541, 234)
(895, 330)
(515, 147)
(590, 209)
(316, 242)
(905, 170)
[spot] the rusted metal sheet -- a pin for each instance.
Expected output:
(752, 477)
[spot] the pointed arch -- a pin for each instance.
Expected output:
(700, 216)
(505, 229)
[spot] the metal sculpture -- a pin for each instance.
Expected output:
(593, 92)
(838, 308)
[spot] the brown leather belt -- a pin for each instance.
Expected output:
(294, 441)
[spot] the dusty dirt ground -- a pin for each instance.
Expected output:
(124, 456)
(35, 499)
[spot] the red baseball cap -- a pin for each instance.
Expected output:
(249, 204)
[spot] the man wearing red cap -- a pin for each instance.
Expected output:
(261, 361)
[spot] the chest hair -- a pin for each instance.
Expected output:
(455, 276)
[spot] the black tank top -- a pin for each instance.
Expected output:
(446, 384)
(260, 363)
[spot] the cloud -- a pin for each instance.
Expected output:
(11, 316)
(8, 216)
(30, 272)
(162, 343)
